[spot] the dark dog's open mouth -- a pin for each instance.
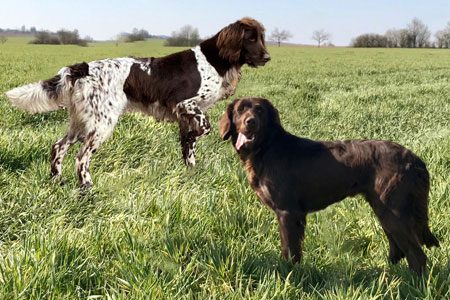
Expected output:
(242, 140)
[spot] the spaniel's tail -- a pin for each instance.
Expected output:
(50, 94)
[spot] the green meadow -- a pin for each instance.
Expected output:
(152, 229)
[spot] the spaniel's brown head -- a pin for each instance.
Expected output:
(243, 43)
(249, 122)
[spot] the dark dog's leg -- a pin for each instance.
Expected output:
(413, 251)
(381, 211)
(193, 124)
(403, 242)
(292, 230)
(395, 254)
(59, 150)
(400, 232)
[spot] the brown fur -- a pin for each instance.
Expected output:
(77, 71)
(163, 84)
(295, 176)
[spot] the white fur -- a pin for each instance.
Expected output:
(211, 82)
(33, 99)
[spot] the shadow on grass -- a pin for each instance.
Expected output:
(308, 277)
(312, 279)
(13, 161)
(38, 120)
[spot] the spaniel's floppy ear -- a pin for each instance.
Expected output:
(229, 42)
(226, 126)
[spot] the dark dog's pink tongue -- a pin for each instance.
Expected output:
(242, 139)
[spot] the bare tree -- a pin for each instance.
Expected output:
(440, 39)
(320, 36)
(393, 38)
(420, 35)
(280, 36)
(186, 36)
(189, 33)
(406, 40)
(443, 37)
(116, 40)
(88, 39)
(398, 38)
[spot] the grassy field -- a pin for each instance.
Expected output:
(152, 229)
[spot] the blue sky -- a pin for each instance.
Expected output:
(104, 19)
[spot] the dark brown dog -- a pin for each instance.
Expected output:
(295, 176)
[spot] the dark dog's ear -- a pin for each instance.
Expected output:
(274, 116)
(229, 42)
(226, 125)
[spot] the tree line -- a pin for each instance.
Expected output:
(135, 36)
(21, 31)
(61, 37)
(415, 35)
(46, 37)
(186, 36)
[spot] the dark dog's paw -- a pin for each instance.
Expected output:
(395, 255)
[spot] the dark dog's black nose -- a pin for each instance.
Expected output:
(266, 57)
(250, 122)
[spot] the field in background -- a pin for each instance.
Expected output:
(150, 228)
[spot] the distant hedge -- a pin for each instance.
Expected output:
(370, 40)
(63, 37)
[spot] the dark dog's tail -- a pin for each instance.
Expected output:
(50, 94)
(420, 198)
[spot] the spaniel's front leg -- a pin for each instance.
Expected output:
(193, 124)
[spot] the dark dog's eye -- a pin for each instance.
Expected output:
(252, 40)
(258, 109)
(240, 109)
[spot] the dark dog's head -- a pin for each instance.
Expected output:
(243, 42)
(249, 122)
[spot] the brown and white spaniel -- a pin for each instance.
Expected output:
(295, 176)
(179, 87)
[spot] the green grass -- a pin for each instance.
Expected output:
(152, 229)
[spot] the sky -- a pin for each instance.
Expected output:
(103, 19)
